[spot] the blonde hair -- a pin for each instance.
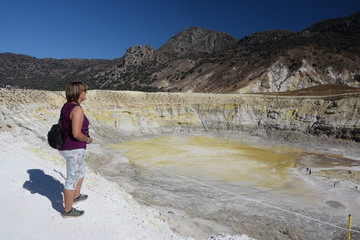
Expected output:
(73, 91)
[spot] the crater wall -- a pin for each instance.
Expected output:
(132, 114)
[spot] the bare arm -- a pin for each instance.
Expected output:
(77, 119)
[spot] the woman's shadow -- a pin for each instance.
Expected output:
(47, 186)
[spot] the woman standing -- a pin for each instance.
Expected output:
(75, 133)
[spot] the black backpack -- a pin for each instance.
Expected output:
(54, 136)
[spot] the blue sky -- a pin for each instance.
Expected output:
(106, 28)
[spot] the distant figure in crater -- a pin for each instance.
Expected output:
(75, 132)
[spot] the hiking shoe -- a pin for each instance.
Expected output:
(73, 213)
(81, 198)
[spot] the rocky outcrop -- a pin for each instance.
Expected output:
(137, 55)
(279, 77)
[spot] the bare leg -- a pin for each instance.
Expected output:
(69, 199)
(78, 188)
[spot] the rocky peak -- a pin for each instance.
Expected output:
(197, 39)
(138, 54)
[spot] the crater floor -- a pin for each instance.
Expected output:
(249, 186)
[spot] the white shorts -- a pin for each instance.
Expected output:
(75, 167)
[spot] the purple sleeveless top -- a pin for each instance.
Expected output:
(69, 141)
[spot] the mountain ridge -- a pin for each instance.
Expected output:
(202, 60)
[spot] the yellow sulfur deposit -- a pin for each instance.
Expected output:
(214, 159)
